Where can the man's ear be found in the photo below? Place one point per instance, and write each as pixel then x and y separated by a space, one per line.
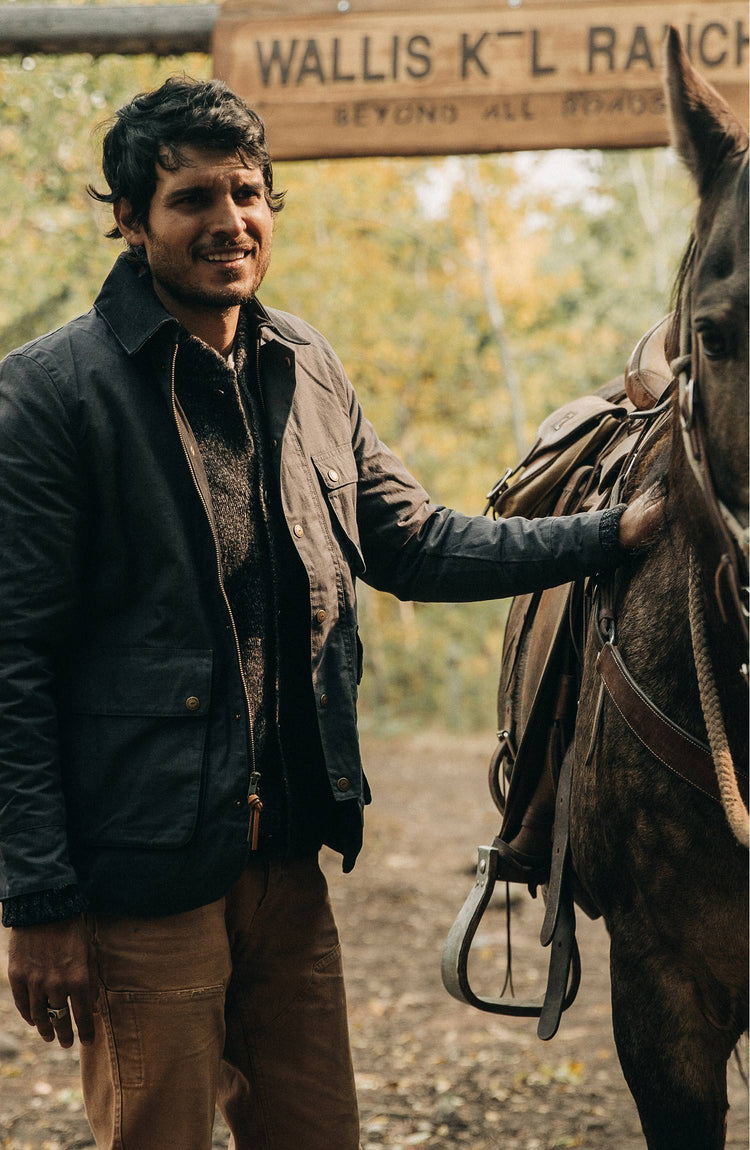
pixel 132 230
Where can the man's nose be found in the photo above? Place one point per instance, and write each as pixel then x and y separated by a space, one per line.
pixel 227 219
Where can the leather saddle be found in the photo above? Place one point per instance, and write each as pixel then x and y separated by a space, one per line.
pixel 575 464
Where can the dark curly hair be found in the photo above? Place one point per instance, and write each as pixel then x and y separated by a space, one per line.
pixel 154 126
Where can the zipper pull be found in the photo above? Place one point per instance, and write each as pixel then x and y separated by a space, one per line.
pixel 256 806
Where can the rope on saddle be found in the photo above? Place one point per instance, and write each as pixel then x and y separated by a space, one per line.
pixel 731 800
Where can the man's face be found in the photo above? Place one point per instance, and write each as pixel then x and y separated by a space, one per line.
pixel 209 231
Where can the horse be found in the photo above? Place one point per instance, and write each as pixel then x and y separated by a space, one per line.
pixel 659 848
pixel 665 866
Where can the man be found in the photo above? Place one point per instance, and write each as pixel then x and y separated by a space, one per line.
pixel 190 491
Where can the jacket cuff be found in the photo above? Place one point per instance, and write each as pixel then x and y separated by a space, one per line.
pixel 609 530
pixel 43 906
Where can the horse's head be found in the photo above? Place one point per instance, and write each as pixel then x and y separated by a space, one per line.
pixel 714 146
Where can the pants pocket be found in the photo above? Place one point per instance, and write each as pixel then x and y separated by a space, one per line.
pixel 152 1032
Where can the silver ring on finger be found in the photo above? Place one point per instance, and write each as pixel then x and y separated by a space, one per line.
pixel 57 1013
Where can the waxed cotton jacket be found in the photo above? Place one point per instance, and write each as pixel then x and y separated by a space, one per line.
pixel 124 758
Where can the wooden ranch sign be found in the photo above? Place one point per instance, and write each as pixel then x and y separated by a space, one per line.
pixel 357 78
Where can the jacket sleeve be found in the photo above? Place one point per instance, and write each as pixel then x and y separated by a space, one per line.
pixel 423 552
pixel 41 501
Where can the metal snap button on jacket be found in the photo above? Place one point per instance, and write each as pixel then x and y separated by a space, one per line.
pixel 343 784
pixel 298 530
pixel 192 703
pixel 333 475
pixel 320 615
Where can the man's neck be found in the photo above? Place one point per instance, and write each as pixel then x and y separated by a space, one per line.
pixel 217 328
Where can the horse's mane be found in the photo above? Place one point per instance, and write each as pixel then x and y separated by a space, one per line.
pixel 679 298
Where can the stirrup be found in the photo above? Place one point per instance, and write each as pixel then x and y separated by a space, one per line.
pixel 558 929
pixel 564 973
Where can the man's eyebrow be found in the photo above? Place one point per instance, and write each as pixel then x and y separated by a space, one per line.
pixel 252 180
pixel 185 190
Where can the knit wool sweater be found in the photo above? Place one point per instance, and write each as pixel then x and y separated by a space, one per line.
pixel 223 407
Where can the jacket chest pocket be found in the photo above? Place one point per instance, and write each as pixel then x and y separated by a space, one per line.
pixel 337 471
pixel 133 728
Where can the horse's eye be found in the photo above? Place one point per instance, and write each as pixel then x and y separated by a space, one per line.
pixel 713 342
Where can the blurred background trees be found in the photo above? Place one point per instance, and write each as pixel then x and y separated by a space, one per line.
pixel 466 296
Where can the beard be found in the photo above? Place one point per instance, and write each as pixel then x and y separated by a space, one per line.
pixel 185 279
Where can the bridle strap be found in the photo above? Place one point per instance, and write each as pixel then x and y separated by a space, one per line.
pixel 723 552
pixel 673 746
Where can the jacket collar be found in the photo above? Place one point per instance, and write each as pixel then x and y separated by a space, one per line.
pixel 129 306
pixel 275 321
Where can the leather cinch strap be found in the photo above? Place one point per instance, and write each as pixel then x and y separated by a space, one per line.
pixel 684 755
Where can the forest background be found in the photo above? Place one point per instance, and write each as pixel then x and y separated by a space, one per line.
pixel 467 297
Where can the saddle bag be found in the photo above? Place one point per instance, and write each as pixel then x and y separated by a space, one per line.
pixel 568 440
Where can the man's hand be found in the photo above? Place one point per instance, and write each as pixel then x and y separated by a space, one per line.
pixel 642 519
pixel 49 967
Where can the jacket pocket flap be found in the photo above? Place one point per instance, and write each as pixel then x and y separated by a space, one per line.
pixel 337 468
pixel 141 681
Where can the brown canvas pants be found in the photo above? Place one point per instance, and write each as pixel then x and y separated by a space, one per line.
pixel 240 1003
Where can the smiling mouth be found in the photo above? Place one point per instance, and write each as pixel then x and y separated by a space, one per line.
pixel 226 255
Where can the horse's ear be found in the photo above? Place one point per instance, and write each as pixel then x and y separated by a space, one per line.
pixel 704 129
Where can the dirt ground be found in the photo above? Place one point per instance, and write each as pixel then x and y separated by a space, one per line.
pixel 431 1072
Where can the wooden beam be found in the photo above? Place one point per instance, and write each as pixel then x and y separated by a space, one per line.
pixel 158 30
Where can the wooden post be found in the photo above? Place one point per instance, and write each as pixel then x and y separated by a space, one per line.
pixel 159 30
